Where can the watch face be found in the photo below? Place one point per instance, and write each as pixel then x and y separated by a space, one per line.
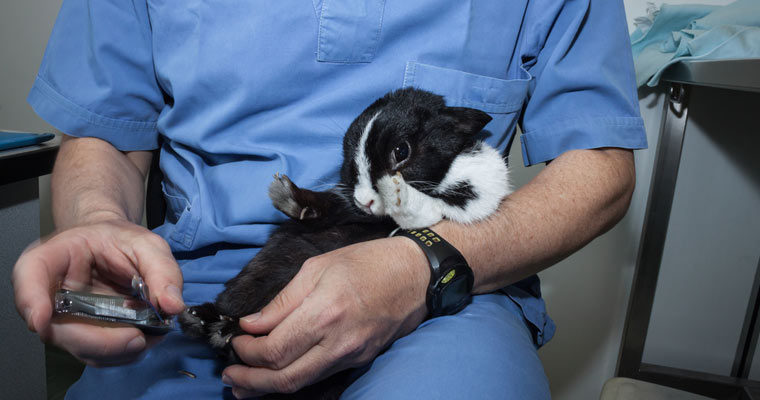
pixel 456 294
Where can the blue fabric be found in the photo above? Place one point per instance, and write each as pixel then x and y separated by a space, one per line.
pixel 235 91
pixel 491 330
pixel 696 32
pixel 582 93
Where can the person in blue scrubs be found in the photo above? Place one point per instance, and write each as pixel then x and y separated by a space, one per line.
pixel 232 92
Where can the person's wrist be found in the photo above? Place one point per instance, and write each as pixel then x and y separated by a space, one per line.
pixel 101 216
pixel 416 270
pixel 454 234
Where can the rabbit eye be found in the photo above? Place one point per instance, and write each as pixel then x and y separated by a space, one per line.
pixel 400 154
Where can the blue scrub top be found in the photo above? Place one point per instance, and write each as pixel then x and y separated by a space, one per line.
pixel 235 91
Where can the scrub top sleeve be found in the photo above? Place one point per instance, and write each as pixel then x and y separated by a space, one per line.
pixel 583 94
pixel 97 77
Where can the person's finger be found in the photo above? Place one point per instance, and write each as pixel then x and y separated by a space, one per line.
pixel 311 367
pixel 36 273
pixel 97 345
pixel 160 271
pixel 289 298
pixel 240 393
pixel 287 342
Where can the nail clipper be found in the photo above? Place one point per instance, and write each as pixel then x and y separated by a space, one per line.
pixel 136 310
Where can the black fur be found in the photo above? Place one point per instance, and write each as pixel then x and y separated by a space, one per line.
pixel 324 221
pixel 458 195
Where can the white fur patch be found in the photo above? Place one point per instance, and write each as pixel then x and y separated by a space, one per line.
pixel 484 170
pixel 488 175
pixel 363 192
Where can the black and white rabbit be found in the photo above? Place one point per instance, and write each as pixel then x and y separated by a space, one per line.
pixel 408 161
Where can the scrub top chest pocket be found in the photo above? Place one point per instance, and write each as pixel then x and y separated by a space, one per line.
pixel 349 31
pixel 502 99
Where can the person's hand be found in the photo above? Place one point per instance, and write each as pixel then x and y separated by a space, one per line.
pixel 340 311
pixel 105 256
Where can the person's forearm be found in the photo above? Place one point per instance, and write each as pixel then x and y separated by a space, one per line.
pixel 93 181
pixel 577 197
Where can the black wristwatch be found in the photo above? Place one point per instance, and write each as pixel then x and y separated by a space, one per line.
pixel 451 278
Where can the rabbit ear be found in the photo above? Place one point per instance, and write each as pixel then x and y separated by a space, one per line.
pixel 468 120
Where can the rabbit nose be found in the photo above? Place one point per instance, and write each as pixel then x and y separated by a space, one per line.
pixel 365 206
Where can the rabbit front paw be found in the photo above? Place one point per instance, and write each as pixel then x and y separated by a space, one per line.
pixel 409 207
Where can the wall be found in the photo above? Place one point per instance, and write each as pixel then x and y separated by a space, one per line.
pixel 24 30
pixel 586 294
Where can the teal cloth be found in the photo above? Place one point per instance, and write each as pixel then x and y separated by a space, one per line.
pixel 696 32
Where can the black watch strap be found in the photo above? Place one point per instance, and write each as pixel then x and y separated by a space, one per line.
pixel 451 279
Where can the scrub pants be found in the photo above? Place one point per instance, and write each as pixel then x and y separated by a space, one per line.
pixel 484 352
